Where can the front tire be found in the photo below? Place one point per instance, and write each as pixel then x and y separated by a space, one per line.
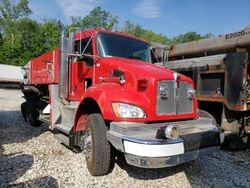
pixel 96 146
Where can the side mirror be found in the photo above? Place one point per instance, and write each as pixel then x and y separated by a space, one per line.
pixel 160 53
pixel 89 61
pixel 165 57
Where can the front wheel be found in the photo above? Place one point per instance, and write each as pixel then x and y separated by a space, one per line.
pixel 96 146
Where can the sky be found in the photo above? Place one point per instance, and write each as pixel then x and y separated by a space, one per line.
pixel 169 17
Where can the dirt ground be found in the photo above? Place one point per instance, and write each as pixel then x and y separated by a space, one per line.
pixel 34 157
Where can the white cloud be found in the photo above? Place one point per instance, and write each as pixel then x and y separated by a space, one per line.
pixel 77 7
pixel 147 9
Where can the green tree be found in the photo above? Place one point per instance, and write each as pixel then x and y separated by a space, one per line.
pixel 13 11
pixel 50 34
pixel 10 11
pixel 148 35
pixel 97 18
pixel 12 27
pixel 16 50
pixel 189 36
pixel 30 40
pixel 208 35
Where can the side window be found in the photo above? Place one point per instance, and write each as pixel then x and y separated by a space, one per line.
pixel 84 43
pixel 86 46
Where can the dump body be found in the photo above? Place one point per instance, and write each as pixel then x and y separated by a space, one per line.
pixel 210 46
pixel 45 68
pixel 219 67
pixel 219 78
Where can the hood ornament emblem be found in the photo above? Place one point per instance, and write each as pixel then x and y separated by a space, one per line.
pixel 177 77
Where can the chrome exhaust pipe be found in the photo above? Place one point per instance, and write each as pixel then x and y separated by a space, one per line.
pixel 63 66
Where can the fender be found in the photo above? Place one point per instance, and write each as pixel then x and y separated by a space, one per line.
pixel 101 96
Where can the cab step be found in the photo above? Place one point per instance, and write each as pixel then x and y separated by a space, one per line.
pixel 44 118
pixel 63 138
pixel 62 128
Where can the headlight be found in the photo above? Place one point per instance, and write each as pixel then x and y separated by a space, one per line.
pixel 127 111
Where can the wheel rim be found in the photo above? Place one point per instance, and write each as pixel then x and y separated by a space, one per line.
pixel 88 149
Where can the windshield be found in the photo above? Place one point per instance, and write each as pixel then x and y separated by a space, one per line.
pixel 111 45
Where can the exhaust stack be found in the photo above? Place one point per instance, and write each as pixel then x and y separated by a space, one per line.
pixel 64 66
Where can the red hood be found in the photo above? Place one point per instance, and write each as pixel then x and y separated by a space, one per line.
pixel 141 69
pixel 134 70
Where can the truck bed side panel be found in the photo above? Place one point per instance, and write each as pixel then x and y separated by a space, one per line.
pixel 45 68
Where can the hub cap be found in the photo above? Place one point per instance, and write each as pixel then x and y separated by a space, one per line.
pixel 88 149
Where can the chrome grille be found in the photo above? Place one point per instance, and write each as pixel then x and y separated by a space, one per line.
pixel 176 101
pixel 166 105
pixel 185 102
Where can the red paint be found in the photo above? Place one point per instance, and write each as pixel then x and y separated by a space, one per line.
pixel 45 68
pixel 89 33
pixel 142 85
pixel 81 123
pixel 78 73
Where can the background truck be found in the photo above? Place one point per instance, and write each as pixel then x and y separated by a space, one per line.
pixel 100 93
pixel 220 70
pixel 10 76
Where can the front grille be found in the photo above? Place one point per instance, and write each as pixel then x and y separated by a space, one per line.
pixel 185 103
pixel 166 105
pixel 176 101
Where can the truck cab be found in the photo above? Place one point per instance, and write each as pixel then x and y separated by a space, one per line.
pixel 100 92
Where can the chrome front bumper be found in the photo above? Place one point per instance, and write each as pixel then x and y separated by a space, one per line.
pixel 162 162
pixel 142 146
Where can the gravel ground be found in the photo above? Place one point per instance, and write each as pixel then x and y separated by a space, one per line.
pixel 34 157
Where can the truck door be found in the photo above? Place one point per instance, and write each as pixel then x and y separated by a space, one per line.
pixel 81 71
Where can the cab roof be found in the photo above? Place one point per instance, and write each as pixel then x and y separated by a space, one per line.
pixel 89 33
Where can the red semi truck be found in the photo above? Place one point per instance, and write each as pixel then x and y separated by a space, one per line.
pixel 100 92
